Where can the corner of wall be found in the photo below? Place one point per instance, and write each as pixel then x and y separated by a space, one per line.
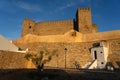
pixel 27 27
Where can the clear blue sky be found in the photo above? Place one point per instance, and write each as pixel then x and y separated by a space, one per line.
pixel 105 13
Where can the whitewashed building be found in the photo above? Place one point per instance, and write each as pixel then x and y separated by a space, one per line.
pixel 99 53
pixel 7 45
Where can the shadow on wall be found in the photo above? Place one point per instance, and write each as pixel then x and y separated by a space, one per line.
pixel 110 64
pixel 118 63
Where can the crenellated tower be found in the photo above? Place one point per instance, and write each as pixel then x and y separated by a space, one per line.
pixel 28 27
pixel 84 21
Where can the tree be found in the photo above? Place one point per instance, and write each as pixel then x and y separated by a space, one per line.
pixel 41 58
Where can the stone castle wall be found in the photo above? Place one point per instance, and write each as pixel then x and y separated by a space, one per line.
pixel 114 46
pixel 53 27
pixel 76 52
pixel 12 60
pixel 71 36
pixel 84 20
pixel 109 35
pixel 114 52
pixel 46 28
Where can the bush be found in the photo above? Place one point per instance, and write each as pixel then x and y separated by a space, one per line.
pixel 40 59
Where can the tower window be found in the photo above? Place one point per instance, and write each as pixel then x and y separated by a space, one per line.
pixel 29 27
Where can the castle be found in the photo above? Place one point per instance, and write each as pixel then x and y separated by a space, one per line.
pixel 78 42
pixel 82 24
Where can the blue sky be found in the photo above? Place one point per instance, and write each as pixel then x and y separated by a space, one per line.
pixel 105 13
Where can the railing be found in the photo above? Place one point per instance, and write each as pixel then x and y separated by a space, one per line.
pixel 93 65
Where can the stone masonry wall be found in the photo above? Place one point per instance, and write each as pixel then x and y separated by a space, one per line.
pixel 12 60
pixel 46 28
pixel 76 52
pixel 109 35
pixel 84 20
pixel 53 27
pixel 71 36
pixel 27 27
pixel 114 52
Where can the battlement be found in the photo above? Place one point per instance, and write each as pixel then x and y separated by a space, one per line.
pixel 29 20
pixel 84 9
pixel 84 20
pixel 55 22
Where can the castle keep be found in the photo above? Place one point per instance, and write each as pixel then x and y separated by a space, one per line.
pixel 76 40
pixel 82 24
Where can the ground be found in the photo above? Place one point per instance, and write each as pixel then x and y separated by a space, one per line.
pixel 58 74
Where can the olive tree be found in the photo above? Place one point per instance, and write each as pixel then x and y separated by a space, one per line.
pixel 40 58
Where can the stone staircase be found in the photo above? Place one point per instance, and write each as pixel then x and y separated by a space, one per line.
pixel 92 65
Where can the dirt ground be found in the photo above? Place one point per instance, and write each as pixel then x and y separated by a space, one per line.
pixel 59 74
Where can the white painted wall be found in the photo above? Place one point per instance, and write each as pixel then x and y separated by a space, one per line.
pixel 7 45
pixel 101 53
